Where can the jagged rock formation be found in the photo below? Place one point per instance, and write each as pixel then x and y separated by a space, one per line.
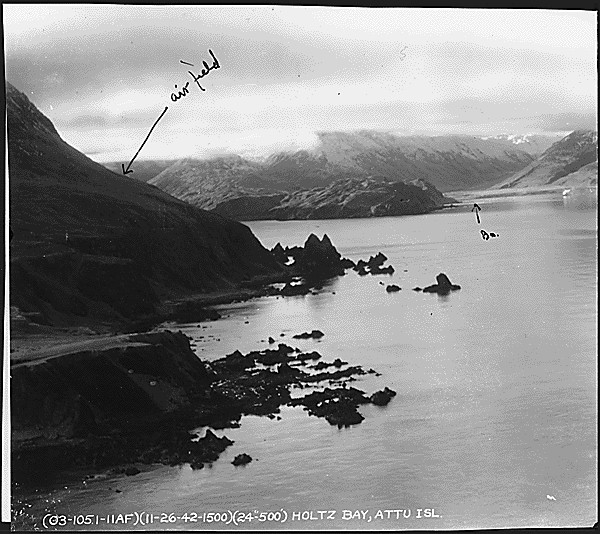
pixel 443 286
pixel 316 260
pixel 374 265
pixel 133 402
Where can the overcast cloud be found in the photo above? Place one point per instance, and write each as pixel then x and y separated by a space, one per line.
pixel 103 74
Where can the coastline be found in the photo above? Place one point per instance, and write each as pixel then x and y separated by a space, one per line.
pixel 135 402
pixel 222 476
pixel 98 397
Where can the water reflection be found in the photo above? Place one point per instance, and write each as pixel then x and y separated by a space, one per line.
pixel 496 382
pixel 580 198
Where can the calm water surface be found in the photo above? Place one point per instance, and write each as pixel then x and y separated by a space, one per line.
pixel 497 383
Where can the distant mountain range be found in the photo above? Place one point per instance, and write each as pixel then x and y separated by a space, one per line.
pixel 350 151
pixel 534 144
pixel 447 162
pixel 206 183
pixel 571 161
pixel 91 244
pixel 442 163
pixel 285 183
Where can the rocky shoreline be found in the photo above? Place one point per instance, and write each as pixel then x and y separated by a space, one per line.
pixel 136 404
pixel 134 398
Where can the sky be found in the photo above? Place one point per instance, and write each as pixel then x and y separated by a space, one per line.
pixel 104 74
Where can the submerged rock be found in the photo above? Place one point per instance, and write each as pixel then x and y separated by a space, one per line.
pixel 392 288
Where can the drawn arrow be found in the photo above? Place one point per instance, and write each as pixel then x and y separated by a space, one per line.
pixel 476 208
pixel 127 170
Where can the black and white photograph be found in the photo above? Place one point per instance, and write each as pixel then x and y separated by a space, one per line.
pixel 294 267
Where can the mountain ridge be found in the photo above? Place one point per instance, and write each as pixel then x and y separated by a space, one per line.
pixel 91 245
pixel 534 144
pixel 455 161
pixel 567 156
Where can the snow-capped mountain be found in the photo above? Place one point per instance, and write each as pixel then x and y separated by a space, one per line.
pixel 576 153
pixel 534 144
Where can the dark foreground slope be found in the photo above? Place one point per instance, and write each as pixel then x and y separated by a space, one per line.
pixel 90 244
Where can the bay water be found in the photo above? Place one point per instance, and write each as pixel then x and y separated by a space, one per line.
pixel 495 420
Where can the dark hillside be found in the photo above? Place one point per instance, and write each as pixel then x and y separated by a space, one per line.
pixel 129 244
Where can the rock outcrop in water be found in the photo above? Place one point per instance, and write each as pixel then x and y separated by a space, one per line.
pixel 290 289
pixel 443 286
pixel 134 403
pixel 317 260
pixel 242 459
pixel 383 397
pixel 338 406
pixel 315 334
pixel 373 266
